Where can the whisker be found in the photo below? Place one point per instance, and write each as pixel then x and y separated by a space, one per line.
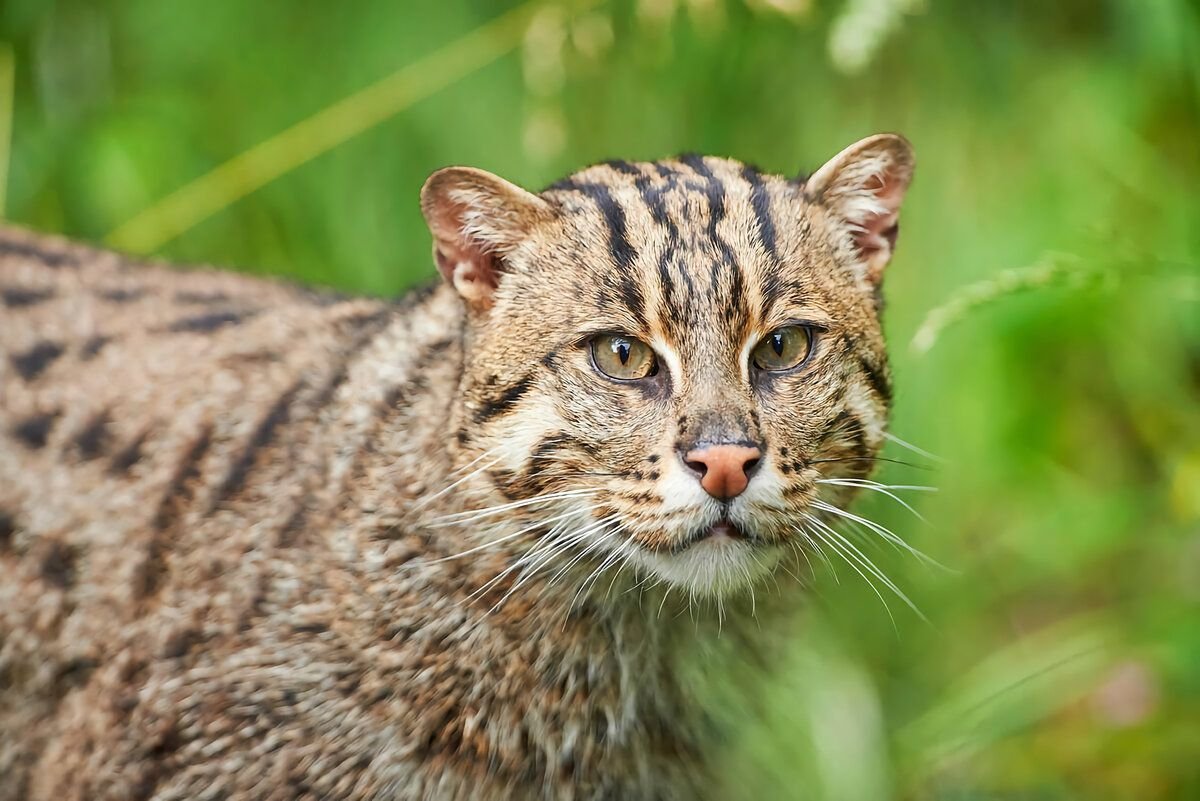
pixel 421 504
pixel 611 559
pixel 888 459
pixel 919 451
pixel 663 602
pixel 883 489
pixel 495 542
pixel 846 558
pixel 816 546
pixel 601 527
pixel 881 530
pixel 548 542
pixel 560 545
pixel 469 516
pixel 867 563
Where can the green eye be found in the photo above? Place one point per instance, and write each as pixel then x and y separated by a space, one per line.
pixel 622 357
pixel 783 348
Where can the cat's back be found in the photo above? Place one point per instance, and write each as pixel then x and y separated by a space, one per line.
pixel 132 390
pixel 171 447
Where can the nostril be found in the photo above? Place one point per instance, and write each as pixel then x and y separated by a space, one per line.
pixel 700 468
pixel 750 465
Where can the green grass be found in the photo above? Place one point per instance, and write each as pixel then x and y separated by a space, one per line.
pixel 1051 249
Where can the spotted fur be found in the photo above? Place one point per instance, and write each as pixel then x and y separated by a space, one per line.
pixel 259 542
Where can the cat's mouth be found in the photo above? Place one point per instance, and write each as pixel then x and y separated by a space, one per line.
pixel 723 530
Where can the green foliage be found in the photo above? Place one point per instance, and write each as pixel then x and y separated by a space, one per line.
pixel 1054 227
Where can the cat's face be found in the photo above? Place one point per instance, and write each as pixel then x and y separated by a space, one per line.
pixel 667 362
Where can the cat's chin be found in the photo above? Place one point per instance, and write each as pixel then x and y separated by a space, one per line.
pixel 719 561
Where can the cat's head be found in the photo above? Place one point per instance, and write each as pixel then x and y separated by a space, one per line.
pixel 666 361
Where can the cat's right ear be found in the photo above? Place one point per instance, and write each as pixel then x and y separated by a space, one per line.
pixel 477 219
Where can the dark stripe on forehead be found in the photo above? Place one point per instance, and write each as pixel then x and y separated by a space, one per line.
pixel 665 170
pixel 623 253
pixel 652 196
pixel 714 190
pixel 760 201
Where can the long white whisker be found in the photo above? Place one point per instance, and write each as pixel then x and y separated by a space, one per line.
pixel 880 488
pixel 602 526
pixel 421 504
pixel 920 451
pixel 816 546
pixel 609 560
pixel 498 540
pixel 469 516
pixel 548 542
pixel 841 551
pixel 882 531
pixel 868 564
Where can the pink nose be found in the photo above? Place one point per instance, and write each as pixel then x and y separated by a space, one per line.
pixel 724 470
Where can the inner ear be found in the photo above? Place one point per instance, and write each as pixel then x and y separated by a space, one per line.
pixel 875 233
pixel 477 219
pixel 477 265
pixel 863 186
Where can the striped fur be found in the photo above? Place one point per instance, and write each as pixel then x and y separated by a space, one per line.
pixel 263 542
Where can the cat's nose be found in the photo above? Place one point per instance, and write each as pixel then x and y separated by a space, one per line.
pixel 724 470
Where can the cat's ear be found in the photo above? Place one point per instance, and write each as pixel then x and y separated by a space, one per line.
pixel 477 219
pixel 864 186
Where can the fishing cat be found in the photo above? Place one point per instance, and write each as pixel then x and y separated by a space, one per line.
pixel 260 542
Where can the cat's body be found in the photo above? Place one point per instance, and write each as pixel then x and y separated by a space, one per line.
pixel 257 542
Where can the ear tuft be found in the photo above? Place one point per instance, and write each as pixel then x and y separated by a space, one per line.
pixel 864 186
pixel 476 219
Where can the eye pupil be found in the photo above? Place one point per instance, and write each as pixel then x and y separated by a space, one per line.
pixel 622 357
pixel 783 348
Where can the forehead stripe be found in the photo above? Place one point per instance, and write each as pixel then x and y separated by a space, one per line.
pixel 715 192
pixel 622 251
pixel 760 201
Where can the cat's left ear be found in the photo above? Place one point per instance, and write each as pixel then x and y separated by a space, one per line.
pixel 864 186
pixel 477 219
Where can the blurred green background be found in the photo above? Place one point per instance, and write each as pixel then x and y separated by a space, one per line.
pixel 1053 232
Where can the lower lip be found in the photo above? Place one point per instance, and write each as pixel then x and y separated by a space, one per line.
pixel 726 531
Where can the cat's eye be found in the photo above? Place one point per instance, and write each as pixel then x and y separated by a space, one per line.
pixel 783 348
pixel 622 357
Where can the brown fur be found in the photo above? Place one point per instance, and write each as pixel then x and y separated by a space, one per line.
pixel 259 542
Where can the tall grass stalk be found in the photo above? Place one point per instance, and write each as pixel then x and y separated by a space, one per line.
pixel 210 193
pixel 7 80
